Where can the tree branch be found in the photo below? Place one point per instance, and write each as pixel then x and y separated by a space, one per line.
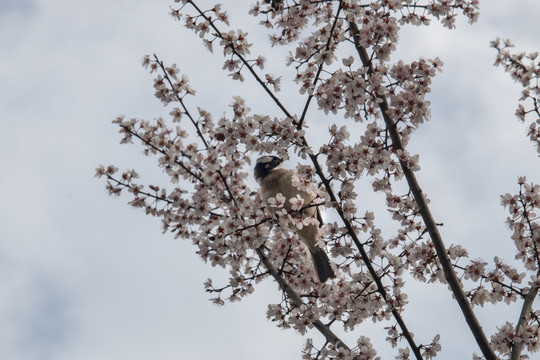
pixel 293 295
pixel 365 257
pixel 319 70
pixel 244 61
pixel 425 212
pixel 517 347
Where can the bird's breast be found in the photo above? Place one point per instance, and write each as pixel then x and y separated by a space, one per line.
pixel 279 181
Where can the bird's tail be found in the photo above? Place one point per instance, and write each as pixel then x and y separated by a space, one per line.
pixel 322 264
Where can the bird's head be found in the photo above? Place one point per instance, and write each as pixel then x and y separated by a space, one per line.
pixel 265 165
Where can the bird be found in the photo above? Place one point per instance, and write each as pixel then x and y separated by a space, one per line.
pixel 273 180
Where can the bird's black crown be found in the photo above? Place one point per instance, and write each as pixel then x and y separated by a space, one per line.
pixel 265 165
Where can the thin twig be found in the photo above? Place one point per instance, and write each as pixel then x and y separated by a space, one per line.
pixel 162 151
pixel 489 279
pixel 244 61
pixel 319 70
pixel 196 125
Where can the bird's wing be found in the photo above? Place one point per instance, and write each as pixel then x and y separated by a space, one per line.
pixel 319 217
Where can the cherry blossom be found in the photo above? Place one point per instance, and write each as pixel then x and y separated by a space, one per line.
pixel 525 69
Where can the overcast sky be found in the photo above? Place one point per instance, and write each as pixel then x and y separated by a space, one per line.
pixel 83 276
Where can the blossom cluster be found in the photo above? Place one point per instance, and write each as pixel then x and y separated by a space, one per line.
pixel 506 336
pixel 363 350
pixel 510 339
pixel 504 282
pixel 524 69
pixel 522 221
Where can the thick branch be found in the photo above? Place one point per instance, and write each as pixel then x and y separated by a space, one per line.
pixel 425 212
pixel 517 347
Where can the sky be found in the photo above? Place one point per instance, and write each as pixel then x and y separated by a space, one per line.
pixel 84 276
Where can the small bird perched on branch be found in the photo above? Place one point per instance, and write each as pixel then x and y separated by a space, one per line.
pixel 274 180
